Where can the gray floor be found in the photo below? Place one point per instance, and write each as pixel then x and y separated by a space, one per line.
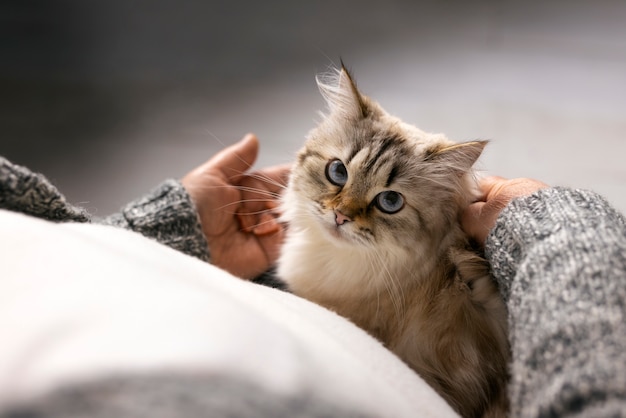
pixel 108 98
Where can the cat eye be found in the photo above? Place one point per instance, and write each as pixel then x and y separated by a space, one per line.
pixel 389 201
pixel 337 173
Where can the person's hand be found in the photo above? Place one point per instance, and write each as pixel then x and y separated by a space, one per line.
pixel 237 210
pixel 496 192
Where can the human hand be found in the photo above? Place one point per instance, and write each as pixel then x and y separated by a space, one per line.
pixel 496 193
pixel 237 210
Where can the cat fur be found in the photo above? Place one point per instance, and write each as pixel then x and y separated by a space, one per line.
pixel 410 279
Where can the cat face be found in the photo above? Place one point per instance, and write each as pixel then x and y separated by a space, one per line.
pixel 356 194
pixel 366 179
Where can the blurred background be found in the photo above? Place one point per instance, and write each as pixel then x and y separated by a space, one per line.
pixel 108 98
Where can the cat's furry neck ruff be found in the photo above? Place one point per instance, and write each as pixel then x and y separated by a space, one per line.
pixel 373 206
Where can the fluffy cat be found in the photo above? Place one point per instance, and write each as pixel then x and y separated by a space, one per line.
pixel 372 206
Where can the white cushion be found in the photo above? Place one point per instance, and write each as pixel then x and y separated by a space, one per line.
pixel 80 302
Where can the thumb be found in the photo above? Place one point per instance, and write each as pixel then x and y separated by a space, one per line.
pixel 473 222
pixel 487 186
pixel 238 158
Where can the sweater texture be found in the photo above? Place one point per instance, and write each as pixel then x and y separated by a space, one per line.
pixel 559 257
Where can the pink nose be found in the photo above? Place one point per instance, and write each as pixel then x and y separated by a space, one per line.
pixel 340 218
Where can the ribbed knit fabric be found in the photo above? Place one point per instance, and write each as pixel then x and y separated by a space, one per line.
pixel 31 193
pixel 559 257
pixel 166 214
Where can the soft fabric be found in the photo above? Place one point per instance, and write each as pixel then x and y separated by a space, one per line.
pixel 559 257
pixel 82 306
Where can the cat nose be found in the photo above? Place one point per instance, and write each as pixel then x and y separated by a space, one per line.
pixel 340 218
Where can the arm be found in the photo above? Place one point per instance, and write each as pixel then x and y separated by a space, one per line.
pixel 168 215
pixel 30 193
pixel 217 206
pixel 559 257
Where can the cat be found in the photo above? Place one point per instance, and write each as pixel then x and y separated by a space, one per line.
pixel 372 207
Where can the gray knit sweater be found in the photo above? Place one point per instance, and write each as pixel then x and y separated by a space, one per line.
pixel 559 257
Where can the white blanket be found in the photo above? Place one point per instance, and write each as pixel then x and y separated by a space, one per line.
pixel 80 302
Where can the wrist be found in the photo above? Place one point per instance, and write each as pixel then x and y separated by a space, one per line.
pixel 168 214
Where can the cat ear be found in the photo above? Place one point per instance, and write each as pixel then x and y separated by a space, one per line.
pixel 459 157
pixel 342 95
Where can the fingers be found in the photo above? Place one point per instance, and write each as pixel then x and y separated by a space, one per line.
pixel 258 223
pixel 272 179
pixel 496 193
pixel 260 191
pixel 276 176
pixel 238 158
pixel 260 200
pixel 478 219
pixel 271 244
pixel 487 184
pixel 473 222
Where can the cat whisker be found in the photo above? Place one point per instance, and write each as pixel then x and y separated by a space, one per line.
pixel 256 200
pixel 256 175
pixel 373 267
pixel 272 196
pixel 226 206
pixel 259 212
pixel 444 183
pixel 215 137
pixel 262 177
pixel 266 222
pixel 224 145
pixel 266 179
pixel 239 202
pixel 394 288
pixel 259 191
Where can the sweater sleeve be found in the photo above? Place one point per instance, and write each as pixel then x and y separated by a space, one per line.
pixel 167 215
pixel 22 190
pixel 559 257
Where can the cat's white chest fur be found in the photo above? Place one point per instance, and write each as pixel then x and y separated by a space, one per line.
pixel 320 266
pixel 310 263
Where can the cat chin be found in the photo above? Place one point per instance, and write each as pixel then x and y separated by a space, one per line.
pixel 338 234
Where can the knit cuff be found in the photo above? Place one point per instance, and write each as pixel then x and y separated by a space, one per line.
pixel 528 221
pixel 22 190
pixel 168 215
